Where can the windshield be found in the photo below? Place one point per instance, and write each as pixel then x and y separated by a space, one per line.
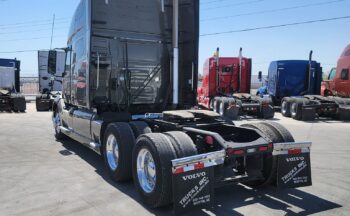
pixel 332 74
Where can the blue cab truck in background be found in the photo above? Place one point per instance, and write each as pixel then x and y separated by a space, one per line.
pixel 129 88
pixel 295 85
pixel 10 98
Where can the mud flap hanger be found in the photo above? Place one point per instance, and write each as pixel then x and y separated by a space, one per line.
pixel 291 148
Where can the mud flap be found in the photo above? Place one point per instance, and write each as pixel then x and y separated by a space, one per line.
pixel 268 112
pixel 194 182
pixel 293 165
pixel 232 112
pixel 344 112
pixel 43 104
pixel 193 190
pixel 308 113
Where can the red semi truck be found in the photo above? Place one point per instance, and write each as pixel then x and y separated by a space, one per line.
pixel 338 83
pixel 226 88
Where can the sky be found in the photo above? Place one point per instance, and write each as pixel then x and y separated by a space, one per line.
pixel 26 25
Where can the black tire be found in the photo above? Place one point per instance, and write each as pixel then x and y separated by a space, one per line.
pixel 296 110
pixel 139 128
pixel 269 161
pixel 216 104
pixel 182 143
pixel 58 133
pixel 162 151
pixel 285 107
pixel 266 130
pixel 125 140
pixel 286 135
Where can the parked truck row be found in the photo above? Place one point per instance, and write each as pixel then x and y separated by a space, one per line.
pixel 10 97
pixel 295 86
pixel 129 92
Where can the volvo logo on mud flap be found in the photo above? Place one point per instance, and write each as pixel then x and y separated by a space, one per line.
pixel 193 176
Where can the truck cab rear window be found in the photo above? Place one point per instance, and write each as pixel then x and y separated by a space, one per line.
pixel 227 69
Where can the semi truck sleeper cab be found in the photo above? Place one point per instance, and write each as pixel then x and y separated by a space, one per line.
pixel 129 85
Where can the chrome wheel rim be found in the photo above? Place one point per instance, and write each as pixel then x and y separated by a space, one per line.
pixel 57 122
pixel 112 152
pixel 221 109
pixel 293 109
pixel 146 171
pixel 215 105
pixel 284 107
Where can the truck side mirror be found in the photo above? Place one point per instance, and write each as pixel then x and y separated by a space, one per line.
pixel 260 76
pixel 51 62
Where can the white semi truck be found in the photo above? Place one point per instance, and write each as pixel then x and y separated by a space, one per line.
pixel 50 80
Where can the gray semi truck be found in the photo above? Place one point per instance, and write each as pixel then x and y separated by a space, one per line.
pixel 10 97
pixel 128 91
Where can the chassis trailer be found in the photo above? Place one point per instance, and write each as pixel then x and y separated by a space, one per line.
pixel 226 89
pixel 10 98
pixel 50 79
pixel 126 96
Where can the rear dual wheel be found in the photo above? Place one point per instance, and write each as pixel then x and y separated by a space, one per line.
pixel 216 104
pixel 151 164
pixel 276 133
pixel 296 110
pixel 285 107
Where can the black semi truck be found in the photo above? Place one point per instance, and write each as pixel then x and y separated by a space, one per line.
pixel 128 91
pixel 10 97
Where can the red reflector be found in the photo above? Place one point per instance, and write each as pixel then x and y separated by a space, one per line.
pixel 179 170
pixel 209 140
pixel 235 151
pixel 199 166
pixel 263 148
pixel 238 152
pixel 294 151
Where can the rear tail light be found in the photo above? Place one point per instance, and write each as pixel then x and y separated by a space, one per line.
pixel 270 145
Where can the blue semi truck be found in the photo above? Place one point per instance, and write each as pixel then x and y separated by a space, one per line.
pixel 10 98
pixel 295 86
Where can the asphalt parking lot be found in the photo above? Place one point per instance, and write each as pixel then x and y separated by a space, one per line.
pixel 40 176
